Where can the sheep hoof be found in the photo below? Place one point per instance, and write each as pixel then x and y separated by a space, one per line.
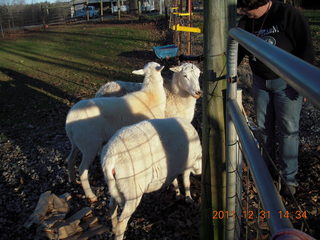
pixel 179 197
pixel 189 199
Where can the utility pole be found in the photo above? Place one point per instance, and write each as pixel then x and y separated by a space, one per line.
pixel 213 141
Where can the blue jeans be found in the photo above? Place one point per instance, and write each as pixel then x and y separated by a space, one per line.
pixel 276 103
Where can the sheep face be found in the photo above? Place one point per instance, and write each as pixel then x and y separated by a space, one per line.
pixel 188 78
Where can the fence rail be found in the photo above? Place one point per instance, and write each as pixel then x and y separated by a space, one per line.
pixel 304 78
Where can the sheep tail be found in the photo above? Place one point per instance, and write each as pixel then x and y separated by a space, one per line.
pixel 71 161
pixel 110 173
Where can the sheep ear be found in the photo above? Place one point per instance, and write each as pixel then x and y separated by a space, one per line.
pixel 138 72
pixel 160 68
pixel 176 69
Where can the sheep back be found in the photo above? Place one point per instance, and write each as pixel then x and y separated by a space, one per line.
pixel 147 156
pixel 117 89
pixel 179 91
pixel 100 118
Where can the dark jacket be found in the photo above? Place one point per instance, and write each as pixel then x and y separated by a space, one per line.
pixel 283 26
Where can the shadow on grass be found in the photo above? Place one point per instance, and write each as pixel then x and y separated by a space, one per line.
pixel 47 35
pixel 54 61
pixel 145 55
pixel 98 69
pixel 28 101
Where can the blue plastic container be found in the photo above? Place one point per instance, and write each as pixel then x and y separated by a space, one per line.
pixel 166 51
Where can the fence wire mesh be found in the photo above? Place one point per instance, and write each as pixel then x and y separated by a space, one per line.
pixel 250 217
pixel 17 17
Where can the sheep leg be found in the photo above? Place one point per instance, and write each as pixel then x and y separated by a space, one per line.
pixel 71 163
pixel 176 188
pixel 186 183
pixel 113 207
pixel 84 169
pixel 129 208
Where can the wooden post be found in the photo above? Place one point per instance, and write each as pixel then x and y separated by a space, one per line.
pixel 73 14
pixel 2 33
pixel 118 5
pixel 178 32
pixel 87 13
pixel 9 25
pixel 101 10
pixel 139 8
pixel 174 22
pixel 214 86
pixel 133 7
pixel 189 33
pixel 161 7
pixel 43 16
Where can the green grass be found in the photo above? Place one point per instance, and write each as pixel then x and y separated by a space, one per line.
pixel 315 33
pixel 312 15
pixel 42 70
pixel 75 54
pixel 314 21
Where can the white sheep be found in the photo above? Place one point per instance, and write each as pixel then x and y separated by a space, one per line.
pixel 182 91
pixel 145 157
pixel 91 123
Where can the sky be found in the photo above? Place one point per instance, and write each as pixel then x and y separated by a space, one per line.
pixel 9 2
pixel 38 1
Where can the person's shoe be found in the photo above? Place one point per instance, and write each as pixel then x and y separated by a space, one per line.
pixel 287 190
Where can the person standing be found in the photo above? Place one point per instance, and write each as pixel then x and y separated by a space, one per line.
pixel 277 104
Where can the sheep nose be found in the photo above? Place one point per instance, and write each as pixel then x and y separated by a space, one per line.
pixel 197 94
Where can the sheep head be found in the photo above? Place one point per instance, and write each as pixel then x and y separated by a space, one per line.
pixel 149 68
pixel 186 77
pixel 152 74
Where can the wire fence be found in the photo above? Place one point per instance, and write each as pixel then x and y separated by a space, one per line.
pixel 16 17
pixel 255 202
pixel 252 219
